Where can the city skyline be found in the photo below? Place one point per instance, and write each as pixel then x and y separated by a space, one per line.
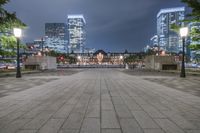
pixel 112 28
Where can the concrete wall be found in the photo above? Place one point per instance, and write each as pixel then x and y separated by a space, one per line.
pixel 157 62
pixel 43 62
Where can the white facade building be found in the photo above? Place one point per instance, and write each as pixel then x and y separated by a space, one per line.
pixel 76 32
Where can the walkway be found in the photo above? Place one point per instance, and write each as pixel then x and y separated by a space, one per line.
pixel 100 101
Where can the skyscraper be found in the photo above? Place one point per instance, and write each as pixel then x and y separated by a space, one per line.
pixel 76 32
pixel 56 30
pixel 154 40
pixel 56 36
pixel 169 40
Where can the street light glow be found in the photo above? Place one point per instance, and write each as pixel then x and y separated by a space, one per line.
pixel 121 57
pixel 17 32
pixel 79 57
pixel 184 31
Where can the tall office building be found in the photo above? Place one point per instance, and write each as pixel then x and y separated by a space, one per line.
pixel 56 36
pixel 154 40
pixel 76 32
pixel 169 40
pixel 56 30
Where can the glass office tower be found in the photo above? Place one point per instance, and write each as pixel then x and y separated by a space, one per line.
pixel 76 32
pixel 169 40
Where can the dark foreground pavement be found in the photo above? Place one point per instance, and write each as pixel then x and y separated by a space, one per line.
pixel 100 101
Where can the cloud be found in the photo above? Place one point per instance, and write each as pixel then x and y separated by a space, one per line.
pixel 111 24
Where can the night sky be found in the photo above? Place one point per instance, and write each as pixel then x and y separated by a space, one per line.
pixel 112 25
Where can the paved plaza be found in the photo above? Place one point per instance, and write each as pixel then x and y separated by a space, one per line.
pixel 99 101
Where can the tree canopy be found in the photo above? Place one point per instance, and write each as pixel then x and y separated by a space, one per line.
pixel 194 16
pixel 8 20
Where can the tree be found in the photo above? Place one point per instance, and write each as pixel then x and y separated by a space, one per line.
pixel 131 59
pixel 195 6
pixel 194 17
pixel 7 22
pixel 8 42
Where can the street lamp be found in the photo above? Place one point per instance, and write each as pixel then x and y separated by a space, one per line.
pixel 79 59
pixel 17 34
pixel 183 34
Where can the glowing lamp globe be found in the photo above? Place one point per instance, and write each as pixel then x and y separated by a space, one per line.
pixel 17 32
pixel 184 31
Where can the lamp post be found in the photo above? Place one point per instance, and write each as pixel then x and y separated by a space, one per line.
pixel 183 34
pixel 17 34
pixel 79 59
pixel 42 46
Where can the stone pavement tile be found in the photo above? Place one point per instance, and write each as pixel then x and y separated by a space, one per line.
pixel 55 105
pixel 189 116
pixel 7 105
pixel 144 119
pixel 32 113
pixel 117 100
pixel 63 112
pixel 123 111
pixel 105 97
pixel 68 131
pixel 14 126
pixel 196 122
pixel 52 126
pixel 153 131
pixel 80 108
pixel 95 100
pixel 10 117
pixel 193 131
pixel 132 105
pixel 26 131
pixel 107 105
pixel 179 120
pixel 130 126
pixel 74 121
pixel 93 111
pixel 114 93
pixel 111 131
pixel 38 121
pixel 160 106
pixel 168 126
pixel 140 100
pixel 109 120
pixel 152 111
pixel 91 125
pixel 29 106
pixel 74 99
